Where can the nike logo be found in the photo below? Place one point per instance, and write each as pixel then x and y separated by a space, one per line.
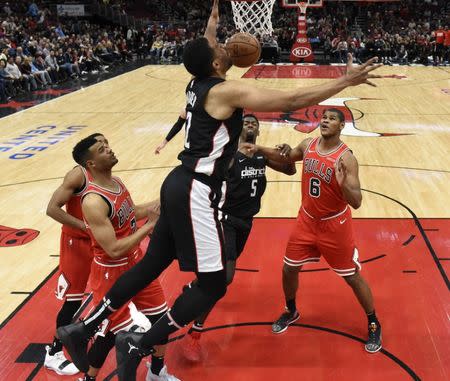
pixel 132 347
pixel 309 151
pixel 241 160
pixel 341 222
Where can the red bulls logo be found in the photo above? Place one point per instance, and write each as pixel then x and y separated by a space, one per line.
pixel 16 237
pixel 308 119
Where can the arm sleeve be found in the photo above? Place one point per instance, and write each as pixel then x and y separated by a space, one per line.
pixel 175 128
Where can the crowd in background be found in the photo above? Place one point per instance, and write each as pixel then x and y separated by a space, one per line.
pixel 38 49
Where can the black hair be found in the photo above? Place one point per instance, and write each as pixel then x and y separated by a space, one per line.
pixel 339 113
pixel 81 152
pixel 251 116
pixel 198 57
pixel 94 135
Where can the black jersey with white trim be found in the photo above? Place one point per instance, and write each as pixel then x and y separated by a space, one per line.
pixel 210 144
pixel 245 185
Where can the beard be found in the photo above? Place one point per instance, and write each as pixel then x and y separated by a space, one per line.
pixel 250 137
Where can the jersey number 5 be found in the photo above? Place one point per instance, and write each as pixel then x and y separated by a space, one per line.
pixel 314 187
pixel 254 189
pixel 188 126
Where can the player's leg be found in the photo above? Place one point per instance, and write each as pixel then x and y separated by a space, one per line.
pixel 97 355
pixel 152 303
pixel 336 243
pixel 199 246
pixel 191 342
pixel 300 250
pixel 74 268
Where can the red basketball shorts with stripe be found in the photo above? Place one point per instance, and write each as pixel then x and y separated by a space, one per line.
pixel 149 301
pixel 331 238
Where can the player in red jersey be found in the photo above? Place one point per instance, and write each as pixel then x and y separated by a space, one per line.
pixel 330 183
pixel 111 217
pixel 75 257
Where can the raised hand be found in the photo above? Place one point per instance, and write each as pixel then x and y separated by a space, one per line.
pixel 340 171
pixel 358 74
pixel 285 149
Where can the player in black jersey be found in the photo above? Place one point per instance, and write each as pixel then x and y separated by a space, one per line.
pixel 244 187
pixel 189 229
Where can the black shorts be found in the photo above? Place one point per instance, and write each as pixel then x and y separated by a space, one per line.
pixel 189 224
pixel 236 232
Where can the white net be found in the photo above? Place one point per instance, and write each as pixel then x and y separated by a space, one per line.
pixel 253 17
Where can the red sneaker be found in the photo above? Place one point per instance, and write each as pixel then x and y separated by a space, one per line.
pixel 191 346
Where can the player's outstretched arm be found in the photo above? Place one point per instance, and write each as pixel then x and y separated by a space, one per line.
pixel 176 128
pixel 73 181
pixel 346 170
pixel 286 168
pixel 95 211
pixel 279 154
pixel 239 95
pixel 213 21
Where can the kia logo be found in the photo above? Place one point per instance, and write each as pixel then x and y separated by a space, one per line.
pixel 301 52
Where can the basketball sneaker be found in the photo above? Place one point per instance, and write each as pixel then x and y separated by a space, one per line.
pixel 373 343
pixel 129 354
pixel 59 364
pixel 75 339
pixel 163 375
pixel 190 346
pixel 284 321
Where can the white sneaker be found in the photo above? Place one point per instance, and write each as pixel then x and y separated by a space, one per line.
pixel 59 364
pixel 163 375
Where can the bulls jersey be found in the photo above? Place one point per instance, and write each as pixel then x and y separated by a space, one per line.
pixel 73 207
pixel 121 215
pixel 210 144
pixel 321 194
pixel 245 185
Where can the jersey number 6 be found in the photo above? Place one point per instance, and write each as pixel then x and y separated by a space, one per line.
pixel 314 187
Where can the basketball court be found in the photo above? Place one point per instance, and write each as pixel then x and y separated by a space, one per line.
pixel 400 134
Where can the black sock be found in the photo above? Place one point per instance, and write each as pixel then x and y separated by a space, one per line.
pixel 290 304
pixel 101 312
pixel 56 347
pixel 157 364
pixel 372 318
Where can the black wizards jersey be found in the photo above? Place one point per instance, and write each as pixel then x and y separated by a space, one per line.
pixel 209 144
pixel 245 185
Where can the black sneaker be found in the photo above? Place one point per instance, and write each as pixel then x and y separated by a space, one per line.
pixel 129 354
pixel 284 321
pixel 373 343
pixel 75 339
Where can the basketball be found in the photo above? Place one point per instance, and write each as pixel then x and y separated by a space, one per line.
pixel 244 49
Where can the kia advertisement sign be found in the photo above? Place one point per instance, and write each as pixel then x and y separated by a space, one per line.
pixel 301 52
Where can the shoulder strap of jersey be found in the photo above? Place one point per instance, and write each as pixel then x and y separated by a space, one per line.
pixel 112 209
pixel 312 145
pixel 87 179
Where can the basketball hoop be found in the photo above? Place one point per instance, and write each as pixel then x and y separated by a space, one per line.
pixel 303 5
pixel 253 16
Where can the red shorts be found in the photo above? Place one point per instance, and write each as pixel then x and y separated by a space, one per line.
pixel 75 258
pixel 150 301
pixel 331 238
